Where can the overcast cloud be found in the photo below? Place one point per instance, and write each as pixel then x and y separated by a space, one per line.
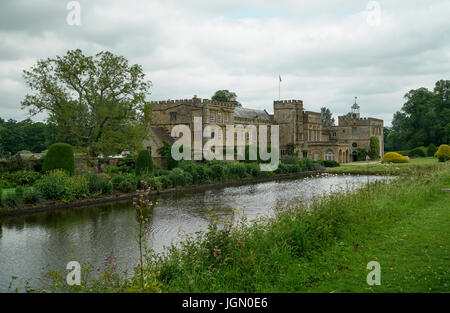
pixel 326 52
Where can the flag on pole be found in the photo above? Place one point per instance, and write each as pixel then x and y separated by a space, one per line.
pixel 279 78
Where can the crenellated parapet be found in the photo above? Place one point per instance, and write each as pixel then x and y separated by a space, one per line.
pixel 166 104
pixel 287 104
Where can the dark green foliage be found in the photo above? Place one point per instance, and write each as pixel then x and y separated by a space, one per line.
pixel 374 151
pixel 53 185
pixel 11 200
pixel 217 172
pixel 417 152
pixel 431 150
pixel 112 170
pixel 25 135
pixel 165 181
pixel 59 156
pixel 124 183
pixel 166 151
pixel 144 163
pixel 235 169
pixel 127 164
pixel 361 154
pixel 23 177
pixel 328 163
pixel 423 119
pixel 99 185
pixel 32 196
pixel 179 177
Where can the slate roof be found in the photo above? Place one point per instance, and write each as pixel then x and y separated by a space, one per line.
pixel 251 113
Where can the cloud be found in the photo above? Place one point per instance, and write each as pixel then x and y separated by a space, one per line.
pixel 326 51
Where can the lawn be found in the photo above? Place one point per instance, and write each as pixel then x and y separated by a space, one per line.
pixel 386 168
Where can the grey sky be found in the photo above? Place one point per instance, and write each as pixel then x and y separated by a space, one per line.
pixel 326 52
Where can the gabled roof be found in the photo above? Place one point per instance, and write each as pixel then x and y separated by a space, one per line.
pixel 251 113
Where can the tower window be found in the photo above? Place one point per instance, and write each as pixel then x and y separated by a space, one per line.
pixel 212 116
pixel 219 116
pixel 173 116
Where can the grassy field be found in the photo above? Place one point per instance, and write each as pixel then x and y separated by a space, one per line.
pixel 321 247
pixel 422 164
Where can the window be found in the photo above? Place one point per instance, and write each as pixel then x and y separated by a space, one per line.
pixel 173 116
pixel 212 134
pixel 305 154
pixel 219 116
pixel 354 130
pixel 219 135
pixel 213 116
pixel 225 115
pixel 354 145
pixel 329 156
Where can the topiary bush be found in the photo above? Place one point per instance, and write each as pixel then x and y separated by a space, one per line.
pixel 374 151
pixel 59 156
pixel 144 163
pixel 394 157
pixel 431 150
pixel 417 152
pixel 443 153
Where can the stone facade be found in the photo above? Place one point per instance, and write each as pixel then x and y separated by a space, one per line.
pixel 301 128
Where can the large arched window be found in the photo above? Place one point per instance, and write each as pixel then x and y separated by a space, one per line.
pixel 329 156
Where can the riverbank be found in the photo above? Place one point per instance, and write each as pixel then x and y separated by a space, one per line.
pixel 324 246
pixel 60 205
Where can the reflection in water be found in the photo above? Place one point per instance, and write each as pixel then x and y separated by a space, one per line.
pixel 30 246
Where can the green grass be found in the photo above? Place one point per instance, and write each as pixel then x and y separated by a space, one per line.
pixel 422 164
pixel 323 247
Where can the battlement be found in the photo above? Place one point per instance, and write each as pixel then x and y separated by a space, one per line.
pixel 348 120
pixel 287 104
pixel 194 102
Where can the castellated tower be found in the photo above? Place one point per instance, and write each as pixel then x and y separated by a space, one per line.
pixel 288 114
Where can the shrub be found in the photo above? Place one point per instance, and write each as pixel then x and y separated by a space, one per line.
pixel 374 152
pixel 403 152
pixel 306 164
pixel 155 183
pixel 32 196
pixel 165 181
pixel 179 177
pixel 394 157
pixel 53 185
pixel 77 188
pixel 417 152
pixel 443 153
pixel 431 150
pixel 328 163
pixel 236 169
pixel 112 170
pixel 98 184
pixel 253 169
pixel 166 151
pixel 59 156
pixel 361 154
pixel 124 183
pixel 23 177
pixel 11 200
pixel 127 164
pixel 144 163
pixel 217 172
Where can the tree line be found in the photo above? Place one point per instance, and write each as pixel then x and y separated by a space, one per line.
pixel 423 120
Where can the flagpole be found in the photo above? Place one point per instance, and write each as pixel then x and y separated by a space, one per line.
pixel 279 84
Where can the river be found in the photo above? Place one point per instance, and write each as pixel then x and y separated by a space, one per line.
pixel 32 245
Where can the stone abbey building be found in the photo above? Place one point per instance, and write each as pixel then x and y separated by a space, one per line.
pixel 298 128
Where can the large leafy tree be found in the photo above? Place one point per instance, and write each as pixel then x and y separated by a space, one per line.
pixel 423 119
pixel 327 117
pixel 226 96
pixel 95 102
